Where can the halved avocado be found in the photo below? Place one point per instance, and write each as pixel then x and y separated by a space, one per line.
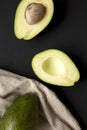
pixel 55 67
pixel 31 17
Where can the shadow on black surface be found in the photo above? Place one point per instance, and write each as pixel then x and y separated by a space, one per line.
pixel 81 66
pixel 71 109
pixel 60 11
pixel 67 103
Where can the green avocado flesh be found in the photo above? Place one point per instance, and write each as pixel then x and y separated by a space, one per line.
pixel 22 114
pixel 55 67
pixel 25 29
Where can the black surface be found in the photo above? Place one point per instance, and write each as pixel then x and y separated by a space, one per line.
pixel 67 32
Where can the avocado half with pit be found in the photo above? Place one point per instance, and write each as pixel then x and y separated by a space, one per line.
pixel 55 67
pixel 31 17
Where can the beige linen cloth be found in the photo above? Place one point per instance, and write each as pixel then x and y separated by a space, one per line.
pixel 53 113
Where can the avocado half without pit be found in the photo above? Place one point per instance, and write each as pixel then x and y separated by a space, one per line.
pixel 31 17
pixel 55 67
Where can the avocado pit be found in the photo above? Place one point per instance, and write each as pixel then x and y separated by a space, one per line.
pixel 34 13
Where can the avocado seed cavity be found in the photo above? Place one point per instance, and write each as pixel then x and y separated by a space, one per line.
pixel 54 66
pixel 34 13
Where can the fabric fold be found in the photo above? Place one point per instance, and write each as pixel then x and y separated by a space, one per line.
pixel 54 115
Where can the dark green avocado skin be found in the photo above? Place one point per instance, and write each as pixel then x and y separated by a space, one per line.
pixel 22 114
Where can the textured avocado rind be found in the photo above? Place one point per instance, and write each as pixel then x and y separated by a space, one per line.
pixel 22 114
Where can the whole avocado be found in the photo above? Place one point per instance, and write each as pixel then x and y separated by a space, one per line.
pixel 22 114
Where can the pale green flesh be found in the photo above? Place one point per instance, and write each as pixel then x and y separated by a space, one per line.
pixel 55 67
pixel 22 29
